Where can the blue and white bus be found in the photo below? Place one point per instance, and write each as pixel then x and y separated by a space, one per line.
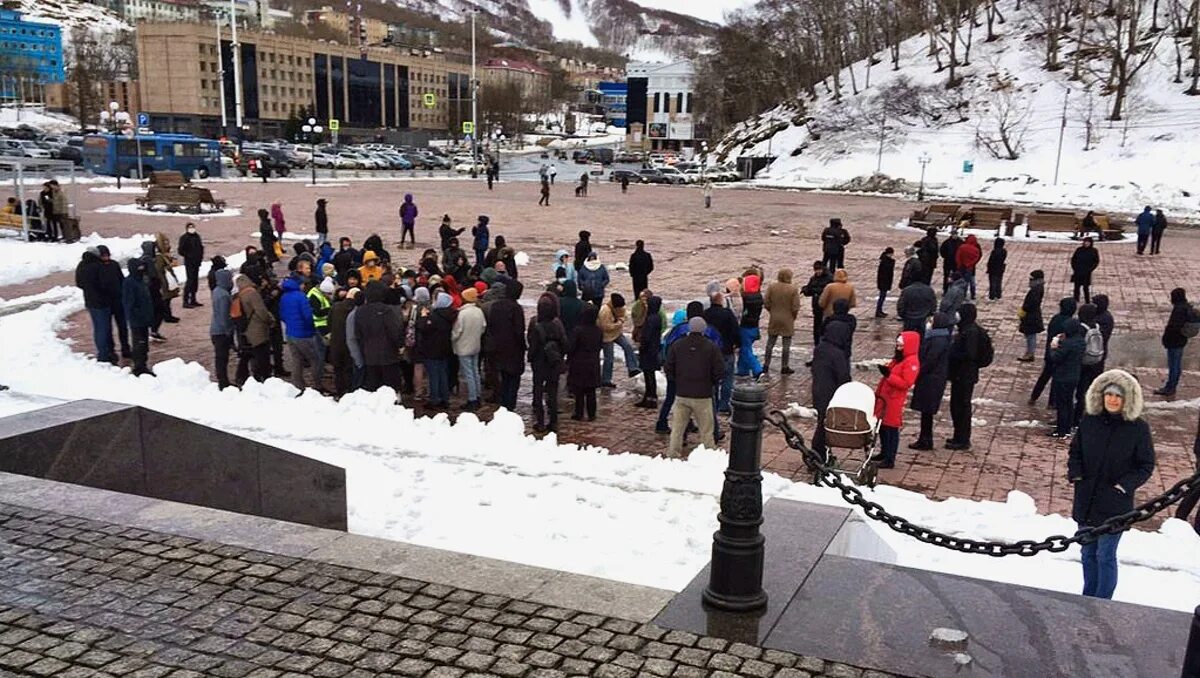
pixel 117 154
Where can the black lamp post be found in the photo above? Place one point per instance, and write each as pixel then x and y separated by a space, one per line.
pixel 313 130
pixel 735 578
pixel 924 160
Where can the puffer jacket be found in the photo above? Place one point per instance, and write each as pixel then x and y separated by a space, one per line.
pixel 221 324
pixel 840 288
pixel 752 302
pixel 930 386
pixel 1109 450
pixel 893 389
pixel 294 311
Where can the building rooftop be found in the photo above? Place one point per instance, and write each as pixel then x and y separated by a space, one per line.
pixel 514 65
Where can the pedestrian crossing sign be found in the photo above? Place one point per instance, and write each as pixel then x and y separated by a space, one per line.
pixel 334 124
pixel 430 100
pixel 468 127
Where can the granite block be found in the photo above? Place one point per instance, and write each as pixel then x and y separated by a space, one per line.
pixel 298 489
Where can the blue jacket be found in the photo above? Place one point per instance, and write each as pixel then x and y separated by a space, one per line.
pixel 135 297
pixel 326 253
pixel 408 210
pixel 1145 222
pixel 482 235
pixel 221 324
pixel 294 311
pixel 680 331
pixel 592 283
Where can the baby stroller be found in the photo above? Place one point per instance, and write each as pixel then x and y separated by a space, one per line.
pixel 850 423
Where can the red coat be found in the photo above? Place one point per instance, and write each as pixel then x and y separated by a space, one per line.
pixel 893 389
pixel 968 254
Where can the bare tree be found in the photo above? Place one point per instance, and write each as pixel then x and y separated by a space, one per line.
pixel 1121 37
pixel 1001 128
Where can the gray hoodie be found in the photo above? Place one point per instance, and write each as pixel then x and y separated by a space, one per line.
pixel 221 324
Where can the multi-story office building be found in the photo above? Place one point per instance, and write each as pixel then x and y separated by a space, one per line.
pixel 184 73
pixel 532 80
pixel 31 57
pixel 659 108
pixel 134 11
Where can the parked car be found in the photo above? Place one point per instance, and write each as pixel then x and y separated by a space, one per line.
pixel 655 176
pixel 465 167
pixel 420 161
pixel 674 175
pixel 31 149
pixel 276 164
pixel 634 176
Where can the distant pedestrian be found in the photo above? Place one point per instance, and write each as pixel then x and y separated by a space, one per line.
pixel 277 219
pixel 624 183
pixel 899 375
pixel 584 345
pixel 641 265
pixel 814 288
pixel 547 358
pixel 996 264
pixel 956 293
pixel 1110 457
pixel 650 352
pixel 480 238
pixel 970 351
pixel 752 307
pixel 916 303
pixel 965 260
pixel 581 190
pixel 1083 263
pixel 834 239
pixel 1093 356
pixel 884 276
pixel 593 279
pixel 782 303
pixel 934 372
pixel 708 193
pixel 1104 318
pixel 446 235
pixel 408 221
pixel 914 269
pixel 582 249
pixel 553 173
pixel 1175 337
pixel 1067 350
pixel 830 369
pixel 139 313
pixel 191 248
pixel 949 253
pixel 694 365
pixel 321 222
pixel 1029 316
pixel 544 200
pixel 1145 228
pixel 927 251
pixel 1057 326
pixel 221 327
pixel 612 326
pixel 1156 231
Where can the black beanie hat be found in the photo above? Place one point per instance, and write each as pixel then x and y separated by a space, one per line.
pixel 617 300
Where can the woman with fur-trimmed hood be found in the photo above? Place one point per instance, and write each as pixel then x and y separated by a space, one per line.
pixel 1111 455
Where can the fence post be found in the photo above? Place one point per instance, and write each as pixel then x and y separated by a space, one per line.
pixel 1191 658
pixel 736 573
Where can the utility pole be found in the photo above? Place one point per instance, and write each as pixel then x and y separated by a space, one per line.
pixel 221 80
pixel 1062 130
pixel 235 53
pixel 879 159
pixel 474 102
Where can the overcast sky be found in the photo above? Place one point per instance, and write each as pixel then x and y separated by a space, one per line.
pixel 712 10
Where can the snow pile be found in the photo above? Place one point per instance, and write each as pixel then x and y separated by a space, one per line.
pixel 31 260
pixel 487 489
pixel 13 116
pixel 1144 159
pixel 1020 234
pixel 134 209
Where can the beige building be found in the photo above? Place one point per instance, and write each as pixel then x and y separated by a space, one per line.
pixel 180 66
pixel 60 97
pixel 374 30
pixel 533 80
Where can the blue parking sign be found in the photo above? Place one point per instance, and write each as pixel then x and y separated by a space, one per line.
pixel 143 119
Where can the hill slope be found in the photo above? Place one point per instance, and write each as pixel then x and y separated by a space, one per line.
pixel 1148 157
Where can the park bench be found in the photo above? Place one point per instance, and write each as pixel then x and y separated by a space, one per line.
pixel 936 215
pixel 13 222
pixel 1056 221
pixel 166 179
pixel 182 199
pixel 990 217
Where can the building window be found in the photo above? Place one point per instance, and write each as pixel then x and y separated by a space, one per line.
pixel 689 103
pixel 679 102
pixel 657 106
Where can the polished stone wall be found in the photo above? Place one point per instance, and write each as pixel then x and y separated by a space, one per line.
pixel 135 450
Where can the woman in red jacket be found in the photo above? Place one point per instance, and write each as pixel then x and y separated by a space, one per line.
pixel 899 375
pixel 967 256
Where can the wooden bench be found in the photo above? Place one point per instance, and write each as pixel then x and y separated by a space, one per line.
pixel 13 222
pixel 1057 221
pixel 990 217
pixel 936 215
pixel 182 199
pixel 166 179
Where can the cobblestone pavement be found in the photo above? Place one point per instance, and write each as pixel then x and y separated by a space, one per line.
pixel 774 229
pixel 80 599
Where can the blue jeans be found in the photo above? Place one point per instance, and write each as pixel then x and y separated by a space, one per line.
pixel 102 333
pixel 969 276
pixel 880 302
pixel 1030 344
pixel 469 365
pixel 1099 560
pixel 1174 368
pixel 438 374
pixel 889 442
pixel 726 390
pixel 747 362
pixel 631 361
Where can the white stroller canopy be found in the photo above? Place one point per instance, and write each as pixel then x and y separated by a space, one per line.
pixel 854 395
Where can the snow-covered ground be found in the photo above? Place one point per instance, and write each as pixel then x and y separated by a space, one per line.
pixel 31 260
pixel 1020 234
pixel 1147 158
pixel 489 490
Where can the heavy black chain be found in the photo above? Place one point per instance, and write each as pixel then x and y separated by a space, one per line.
pixel 826 474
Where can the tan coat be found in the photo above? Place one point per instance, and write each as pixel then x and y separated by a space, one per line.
pixel 611 322
pixel 258 319
pixel 840 288
pixel 782 303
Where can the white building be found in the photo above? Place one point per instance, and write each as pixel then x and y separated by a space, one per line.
pixel 659 107
pixel 134 11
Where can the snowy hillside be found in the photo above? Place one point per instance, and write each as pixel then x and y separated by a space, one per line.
pixel 1147 157
pixel 73 13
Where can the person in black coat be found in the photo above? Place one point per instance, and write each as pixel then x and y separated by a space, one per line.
pixel 583 363
pixel 949 252
pixel 97 303
pixel 547 355
pixel 1110 457
pixel 813 288
pixel 721 319
pixel 641 265
pixel 914 270
pixel 830 369
pixel 583 248
pixel 996 264
pixel 1174 340
pixel 930 387
pixel 346 259
pixel 1104 318
pixel 1067 359
pixel 111 280
pixel 1156 231
pixel 1083 262
pixel 966 359
pixel 321 223
pixel 1029 316
pixel 917 302
pixel 506 334
pixel 266 236
pixel 650 352
pixel 927 251
pixel 139 312
pixel 379 329
pixel 884 276
pixel 833 245
pixel 191 248
pixel 434 330
pixel 1057 326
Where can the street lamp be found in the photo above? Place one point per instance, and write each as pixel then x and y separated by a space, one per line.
pixel 313 130
pixel 924 160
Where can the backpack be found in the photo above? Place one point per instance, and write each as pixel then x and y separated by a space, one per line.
pixel 240 321
pixel 1093 352
pixel 1191 327
pixel 987 352
pixel 552 353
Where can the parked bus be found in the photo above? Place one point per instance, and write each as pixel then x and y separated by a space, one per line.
pixel 117 154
